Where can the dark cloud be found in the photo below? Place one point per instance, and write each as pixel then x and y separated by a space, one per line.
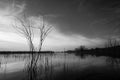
pixel 107 13
pixel 92 18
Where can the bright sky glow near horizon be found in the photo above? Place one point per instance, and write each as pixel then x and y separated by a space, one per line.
pixel 58 39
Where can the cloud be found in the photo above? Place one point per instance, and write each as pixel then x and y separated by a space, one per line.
pixel 11 37
pixel 12 46
pixel 71 39
pixel 11 9
pixel 93 18
pixel 59 40
pixel 7 13
pixel 54 39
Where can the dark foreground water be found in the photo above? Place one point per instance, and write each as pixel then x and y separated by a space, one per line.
pixel 59 66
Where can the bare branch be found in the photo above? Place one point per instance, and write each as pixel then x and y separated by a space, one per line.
pixel 24 26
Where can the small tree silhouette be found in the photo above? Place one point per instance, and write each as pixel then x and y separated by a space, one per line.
pixel 112 43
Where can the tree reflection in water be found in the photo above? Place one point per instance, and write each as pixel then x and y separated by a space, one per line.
pixel 41 69
pixel 66 66
pixel 114 62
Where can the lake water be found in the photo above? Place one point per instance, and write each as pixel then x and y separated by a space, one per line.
pixel 59 63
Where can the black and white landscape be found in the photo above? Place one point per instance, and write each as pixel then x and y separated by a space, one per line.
pixel 59 39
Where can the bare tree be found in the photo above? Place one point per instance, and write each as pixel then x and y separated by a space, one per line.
pixel 24 26
pixel 43 33
pixel 44 30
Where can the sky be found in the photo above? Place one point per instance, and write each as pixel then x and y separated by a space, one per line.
pixel 75 22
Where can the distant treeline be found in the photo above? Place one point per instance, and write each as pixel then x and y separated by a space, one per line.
pixel 24 52
pixel 108 51
pixel 112 49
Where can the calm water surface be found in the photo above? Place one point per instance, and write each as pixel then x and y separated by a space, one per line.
pixel 59 62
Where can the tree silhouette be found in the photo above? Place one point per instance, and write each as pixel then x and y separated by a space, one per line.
pixel 112 43
pixel 44 30
pixel 26 27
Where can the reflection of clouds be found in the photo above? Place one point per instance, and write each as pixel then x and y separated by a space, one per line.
pixel 12 67
pixel 56 61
